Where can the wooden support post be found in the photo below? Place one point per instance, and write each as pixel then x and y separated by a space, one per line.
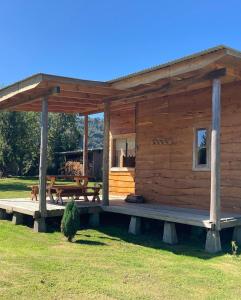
pixel 169 233
pixel 17 218
pixel 105 192
pixel 215 155
pixel 43 158
pixel 135 225
pixel 39 225
pixel 85 146
pixel 213 243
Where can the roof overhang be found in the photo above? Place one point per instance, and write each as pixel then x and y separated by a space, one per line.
pixel 64 94
pixel 70 95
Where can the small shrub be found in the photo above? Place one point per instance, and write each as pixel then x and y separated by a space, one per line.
pixel 70 222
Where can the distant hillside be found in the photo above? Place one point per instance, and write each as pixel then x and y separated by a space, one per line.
pixel 96 129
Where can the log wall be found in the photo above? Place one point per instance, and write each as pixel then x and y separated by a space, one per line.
pixel 122 183
pixel 122 121
pixel 165 132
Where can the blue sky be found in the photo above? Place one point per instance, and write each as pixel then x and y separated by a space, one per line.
pixel 104 39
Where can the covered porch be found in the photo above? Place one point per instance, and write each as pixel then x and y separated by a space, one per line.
pixel 47 93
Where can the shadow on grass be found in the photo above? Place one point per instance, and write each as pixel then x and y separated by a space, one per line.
pixel 99 237
pixel 114 228
pixel 185 247
pixel 90 243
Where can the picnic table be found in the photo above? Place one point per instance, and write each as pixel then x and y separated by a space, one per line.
pixel 80 188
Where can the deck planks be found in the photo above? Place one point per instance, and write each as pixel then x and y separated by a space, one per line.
pixel 189 216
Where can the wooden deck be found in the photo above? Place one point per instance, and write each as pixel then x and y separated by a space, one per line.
pixel 171 214
pixel 31 208
pixel 117 205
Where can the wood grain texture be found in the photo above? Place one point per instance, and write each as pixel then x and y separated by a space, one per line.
pixel 106 160
pixel 164 172
pixel 43 157
pixel 122 183
pixel 122 122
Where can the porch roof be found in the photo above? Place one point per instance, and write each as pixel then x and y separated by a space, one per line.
pixel 65 94
pixel 72 95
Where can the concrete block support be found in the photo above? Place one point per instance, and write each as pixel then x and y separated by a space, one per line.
pixel 94 220
pixel 213 243
pixel 17 218
pixel 3 214
pixel 39 225
pixel 237 235
pixel 169 233
pixel 135 225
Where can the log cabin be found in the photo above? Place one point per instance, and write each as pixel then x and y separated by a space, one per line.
pixel 172 135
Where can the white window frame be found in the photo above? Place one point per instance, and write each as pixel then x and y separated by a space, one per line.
pixel 195 166
pixel 112 138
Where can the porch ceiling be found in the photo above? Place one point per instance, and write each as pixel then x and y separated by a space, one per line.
pixel 74 96
pixel 86 97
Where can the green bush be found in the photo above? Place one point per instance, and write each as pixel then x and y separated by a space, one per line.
pixel 70 222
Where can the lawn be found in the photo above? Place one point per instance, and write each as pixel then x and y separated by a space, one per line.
pixel 18 187
pixel 110 264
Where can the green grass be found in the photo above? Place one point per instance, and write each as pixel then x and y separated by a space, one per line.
pixel 107 264
pixel 18 187
pixel 110 264
pixel 15 187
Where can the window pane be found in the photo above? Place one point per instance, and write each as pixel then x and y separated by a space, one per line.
pixel 131 147
pixel 202 147
pixel 202 137
pixel 124 152
pixel 202 156
pixel 120 149
pixel 129 159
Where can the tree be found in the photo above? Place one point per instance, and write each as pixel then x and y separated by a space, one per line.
pixel 63 135
pixel 20 140
pixel 70 222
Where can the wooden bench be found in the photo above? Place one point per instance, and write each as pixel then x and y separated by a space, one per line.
pixel 80 189
pixel 75 191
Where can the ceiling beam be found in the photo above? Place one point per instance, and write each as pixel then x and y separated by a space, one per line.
pixel 95 90
pixel 172 85
pixel 60 99
pixel 56 106
pixel 79 95
pixel 28 98
pixel 54 110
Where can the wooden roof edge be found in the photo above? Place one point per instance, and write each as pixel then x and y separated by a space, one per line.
pixel 64 79
pixel 21 86
pixel 221 48
pixel 36 79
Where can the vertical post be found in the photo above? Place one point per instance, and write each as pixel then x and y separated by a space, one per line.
pixel 106 145
pixel 215 154
pixel 43 158
pixel 85 146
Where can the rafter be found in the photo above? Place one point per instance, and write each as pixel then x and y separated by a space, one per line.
pixel 172 85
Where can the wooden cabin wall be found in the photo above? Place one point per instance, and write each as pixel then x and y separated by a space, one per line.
pixel 164 159
pixel 122 121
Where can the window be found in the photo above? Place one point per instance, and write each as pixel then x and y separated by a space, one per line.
pixel 201 149
pixel 124 152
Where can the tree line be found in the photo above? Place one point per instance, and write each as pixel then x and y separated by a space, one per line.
pixel 20 140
